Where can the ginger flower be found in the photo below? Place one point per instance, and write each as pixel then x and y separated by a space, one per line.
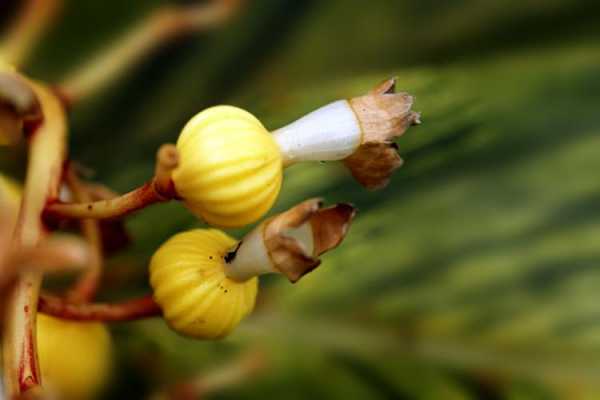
pixel 360 131
pixel 206 282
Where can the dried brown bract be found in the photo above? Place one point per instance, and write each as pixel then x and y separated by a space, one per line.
pixel 384 115
pixel 291 242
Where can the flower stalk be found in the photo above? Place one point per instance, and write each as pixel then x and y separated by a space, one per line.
pixel 165 24
pixel 143 307
pixel 46 156
pixel 56 254
pixel 34 18
pixel 86 286
pixel 159 189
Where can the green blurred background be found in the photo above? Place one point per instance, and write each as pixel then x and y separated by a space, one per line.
pixel 473 275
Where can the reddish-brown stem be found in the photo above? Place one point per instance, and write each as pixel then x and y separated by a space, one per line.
pixel 167 159
pixel 159 189
pixel 111 208
pixel 53 255
pixel 87 285
pixel 46 156
pixel 143 307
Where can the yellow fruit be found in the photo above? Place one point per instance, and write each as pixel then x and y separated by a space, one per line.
pixel 230 167
pixel 188 277
pixel 75 357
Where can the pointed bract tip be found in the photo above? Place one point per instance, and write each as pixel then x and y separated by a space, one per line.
pixel 387 86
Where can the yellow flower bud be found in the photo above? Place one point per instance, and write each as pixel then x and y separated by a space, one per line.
pixel 187 274
pixel 75 357
pixel 230 168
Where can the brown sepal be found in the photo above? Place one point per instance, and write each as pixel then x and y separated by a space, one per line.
pixel 329 227
pixel 373 163
pixel 383 116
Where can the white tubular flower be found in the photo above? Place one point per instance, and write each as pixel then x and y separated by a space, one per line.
pixel 205 281
pixel 291 242
pixel 331 132
pixel 359 131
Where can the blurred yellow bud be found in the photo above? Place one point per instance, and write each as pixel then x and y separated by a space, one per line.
pixel 230 168
pixel 75 357
pixel 187 274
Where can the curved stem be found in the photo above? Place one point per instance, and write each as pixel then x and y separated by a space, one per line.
pixel 111 208
pixel 160 189
pixel 53 255
pixel 161 26
pixel 143 307
pixel 86 286
pixel 33 19
pixel 46 156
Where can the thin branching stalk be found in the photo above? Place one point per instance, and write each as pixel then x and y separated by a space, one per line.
pixel 143 307
pixel 86 286
pixel 46 158
pixel 159 189
pixel 163 25
pixel 34 18
pixel 56 254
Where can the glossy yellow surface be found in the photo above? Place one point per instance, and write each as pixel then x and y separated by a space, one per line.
pixel 230 168
pixel 75 357
pixel 190 285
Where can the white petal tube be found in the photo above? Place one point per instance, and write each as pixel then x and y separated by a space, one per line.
pixel 251 258
pixel 291 242
pixel 329 133
pixel 305 236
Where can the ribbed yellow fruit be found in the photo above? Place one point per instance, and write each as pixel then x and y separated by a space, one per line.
pixel 188 277
pixel 230 167
pixel 75 357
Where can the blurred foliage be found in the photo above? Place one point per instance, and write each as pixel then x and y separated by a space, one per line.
pixel 472 276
